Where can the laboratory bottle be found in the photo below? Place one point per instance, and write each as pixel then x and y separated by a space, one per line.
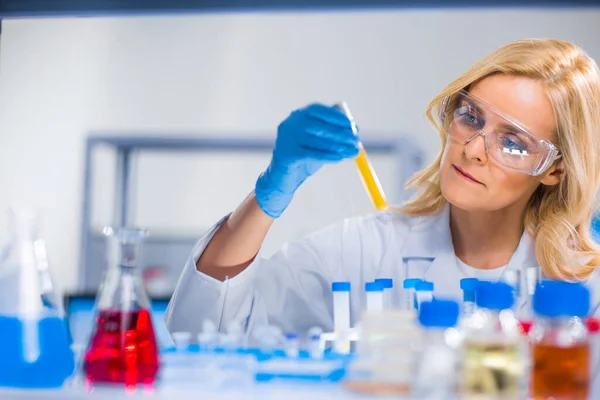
pixel 423 292
pixel 123 348
pixel 560 342
pixel 375 296
pixel 33 331
pixel 469 287
pixel 492 363
pixel 436 368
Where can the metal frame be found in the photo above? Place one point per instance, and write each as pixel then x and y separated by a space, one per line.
pixel 91 8
pixel 407 153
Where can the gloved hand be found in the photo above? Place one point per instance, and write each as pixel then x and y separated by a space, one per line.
pixel 306 140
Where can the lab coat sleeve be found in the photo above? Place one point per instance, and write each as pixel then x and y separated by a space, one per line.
pixel 291 289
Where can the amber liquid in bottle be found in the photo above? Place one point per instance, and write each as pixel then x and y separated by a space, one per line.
pixel 560 372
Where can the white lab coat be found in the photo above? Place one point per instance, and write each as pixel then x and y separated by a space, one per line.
pixel 292 289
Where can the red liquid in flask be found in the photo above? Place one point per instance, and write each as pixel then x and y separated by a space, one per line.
pixel 122 349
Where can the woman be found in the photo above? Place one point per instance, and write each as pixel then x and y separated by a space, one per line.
pixel 514 186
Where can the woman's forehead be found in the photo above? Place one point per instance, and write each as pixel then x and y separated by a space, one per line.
pixel 521 99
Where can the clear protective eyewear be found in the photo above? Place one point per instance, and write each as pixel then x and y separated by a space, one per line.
pixel 507 142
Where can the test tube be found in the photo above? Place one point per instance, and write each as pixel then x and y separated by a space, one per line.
pixel 388 287
pixel 374 296
pixel 292 345
pixel 314 342
pixel 513 278
pixel 424 292
pixel 469 288
pixel 341 316
pixel 366 170
pixel 409 301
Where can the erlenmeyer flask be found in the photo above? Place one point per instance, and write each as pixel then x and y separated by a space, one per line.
pixel 36 346
pixel 123 346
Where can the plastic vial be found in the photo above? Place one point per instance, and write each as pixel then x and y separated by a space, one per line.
pixel 493 364
pixel 560 343
pixel 436 367
pixel 409 299
pixel 366 170
pixel 513 278
pixel 375 294
pixel 388 290
pixel 123 346
pixel 36 350
pixel 313 342
pixel 207 339
pixel 424 292
pixel 292 345
pixel 469 288
pixel 526 313
pixel 341 316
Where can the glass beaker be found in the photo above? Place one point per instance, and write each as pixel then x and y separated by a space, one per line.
pixel 123 348
pixel 36 344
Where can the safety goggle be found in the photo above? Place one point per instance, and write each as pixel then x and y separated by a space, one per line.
pixel 507 142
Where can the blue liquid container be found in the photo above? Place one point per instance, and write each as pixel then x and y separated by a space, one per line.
pixel 36 350
pixel 55 363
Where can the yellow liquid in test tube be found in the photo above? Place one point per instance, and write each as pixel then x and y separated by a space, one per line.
pixel 366 170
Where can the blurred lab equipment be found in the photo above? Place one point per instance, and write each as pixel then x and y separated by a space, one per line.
pixel 365 168
pixel 469 288
pixel 386 354
pixel 409 298
pixel 375 294
pixel 436 368
pixel 36 345
pixel 492 361
pixel 123 348
pixel 560 344
pixel 389 299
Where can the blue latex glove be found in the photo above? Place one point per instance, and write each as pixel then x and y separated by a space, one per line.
pixel 306 140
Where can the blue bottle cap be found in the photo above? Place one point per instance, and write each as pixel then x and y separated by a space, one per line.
pixel 424 286
pixel 291 335
pixel 439 313
pixel 374 287
pixel 469 287
pixel 387 283
pixel 411 283
pixel 561 299
pixel 340 287
pixel 494 295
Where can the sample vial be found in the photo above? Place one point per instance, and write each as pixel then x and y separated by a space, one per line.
pixel 424 292
pixel 560 342
pixel 374 292
pixel 469 287
pixel 409 300
pixel 388 290
pixel 341 316
pixel 366 170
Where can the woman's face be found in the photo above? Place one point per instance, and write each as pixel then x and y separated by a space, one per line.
pixel 469 179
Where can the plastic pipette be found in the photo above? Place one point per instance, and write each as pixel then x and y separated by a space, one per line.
pixel 366 170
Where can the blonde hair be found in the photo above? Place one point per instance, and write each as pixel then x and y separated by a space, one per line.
pixel 558 217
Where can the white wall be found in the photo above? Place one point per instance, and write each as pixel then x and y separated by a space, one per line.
pixel 60 79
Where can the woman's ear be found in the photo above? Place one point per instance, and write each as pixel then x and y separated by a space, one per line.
pixel 554 174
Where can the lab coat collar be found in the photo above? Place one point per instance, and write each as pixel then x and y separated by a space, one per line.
pixel 430 237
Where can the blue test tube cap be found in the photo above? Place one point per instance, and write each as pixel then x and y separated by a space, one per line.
pixel 554 299
pixel 439 313
pixel 374 287
pixel 387 283
pixel 410 283
pixel 494 295
pixel 340 287
pixel 469 288
pixel 424 286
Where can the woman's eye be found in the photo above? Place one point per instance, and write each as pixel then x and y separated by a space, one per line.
pixel 512 145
